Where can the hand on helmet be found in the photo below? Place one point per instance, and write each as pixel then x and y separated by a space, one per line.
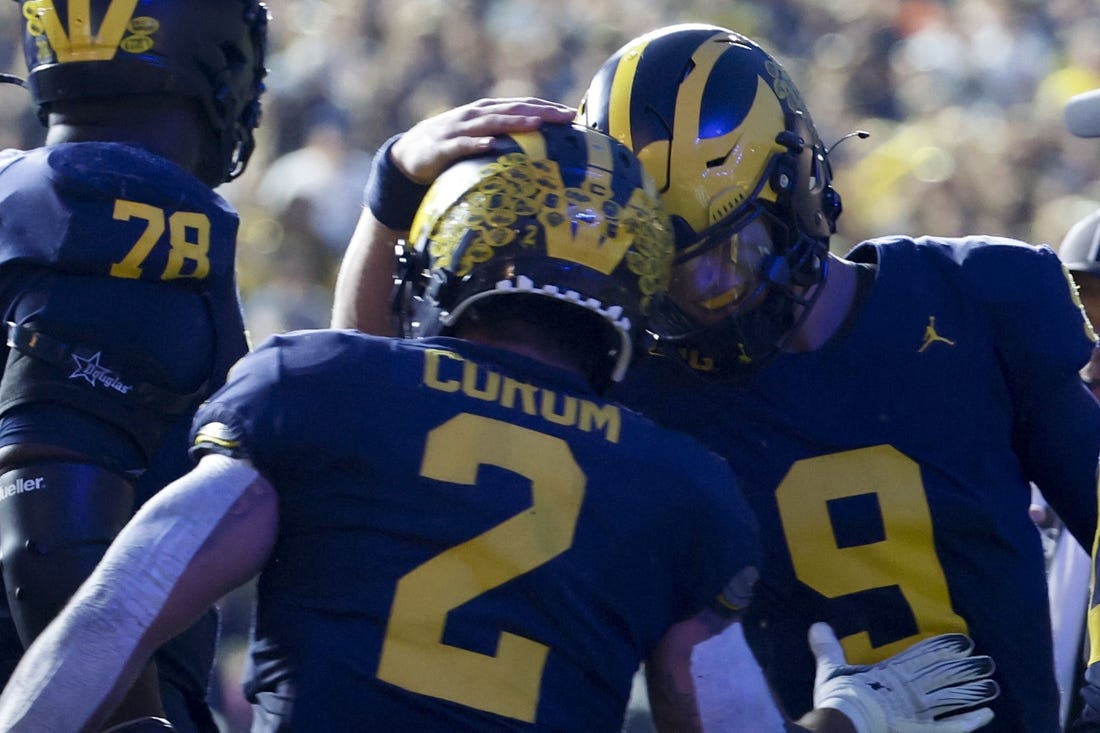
pixel 906 693
pixel 432 145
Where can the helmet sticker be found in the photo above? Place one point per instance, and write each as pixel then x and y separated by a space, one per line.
pixel 583 224
pixel 784 86
pixel 77 43
pixel 564 212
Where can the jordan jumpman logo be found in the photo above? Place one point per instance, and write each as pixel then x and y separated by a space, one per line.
pixel 931 336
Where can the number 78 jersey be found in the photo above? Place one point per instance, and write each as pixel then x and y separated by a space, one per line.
pixel 136 260
pixel 114 210
pixel 468 540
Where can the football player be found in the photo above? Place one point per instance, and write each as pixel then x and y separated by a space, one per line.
pixel 118 290
pixel 1080 250
pixel 456 531
pixel 886 409
pixel 1068 563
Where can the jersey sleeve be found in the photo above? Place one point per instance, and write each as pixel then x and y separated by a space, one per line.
pixel 1038 320
pixel 235 420
pixel 1043 338
pixel 721 563
pixel 285 405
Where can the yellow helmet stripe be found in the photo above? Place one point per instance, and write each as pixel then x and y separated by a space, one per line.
pixel 622 86
pixel 689 113
pixel 532 144
pixel 722 300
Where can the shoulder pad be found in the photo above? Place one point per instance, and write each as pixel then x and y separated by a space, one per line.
pixel 58 199
pixel 109 170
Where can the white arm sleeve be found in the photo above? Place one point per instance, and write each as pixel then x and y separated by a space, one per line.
pixel 730 688
pixel 75 664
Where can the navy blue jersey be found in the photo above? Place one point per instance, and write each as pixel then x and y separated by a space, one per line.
pixel 120 264
pixel 114 210
pixel 129 259
pixel 468 540
pixel 890 469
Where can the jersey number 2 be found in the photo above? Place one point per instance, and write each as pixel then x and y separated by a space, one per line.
pixel 414 656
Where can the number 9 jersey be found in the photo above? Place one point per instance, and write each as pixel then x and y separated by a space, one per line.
pixel 890 469
pixel 468 539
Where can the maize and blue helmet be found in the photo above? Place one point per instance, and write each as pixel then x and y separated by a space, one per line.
pixel 742 173
pixel 564 213
pixel 208 50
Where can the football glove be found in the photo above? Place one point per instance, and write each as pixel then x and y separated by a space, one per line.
pixel 908 692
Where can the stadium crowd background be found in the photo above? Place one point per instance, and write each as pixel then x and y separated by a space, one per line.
pixel 963 100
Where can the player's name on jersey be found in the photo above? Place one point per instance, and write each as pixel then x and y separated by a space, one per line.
pixel 447 371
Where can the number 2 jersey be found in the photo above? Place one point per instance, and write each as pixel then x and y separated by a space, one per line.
pixel 468 540
pixel 890 469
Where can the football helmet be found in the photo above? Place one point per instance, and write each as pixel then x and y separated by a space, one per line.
pixel 1080 248
pixel 563 212
pixel 210 50
pixel 742 173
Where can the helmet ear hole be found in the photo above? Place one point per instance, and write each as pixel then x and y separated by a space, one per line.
pixel 784 175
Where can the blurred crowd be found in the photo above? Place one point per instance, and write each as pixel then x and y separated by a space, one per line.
pixel 963 100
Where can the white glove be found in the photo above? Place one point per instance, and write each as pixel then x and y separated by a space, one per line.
pixel 907 692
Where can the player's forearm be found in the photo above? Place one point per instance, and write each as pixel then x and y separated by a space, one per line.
pixel 672 701
pixel 703 677
pixel 1059 455
pixel 77 670
pixel 364 283
pixel 158 575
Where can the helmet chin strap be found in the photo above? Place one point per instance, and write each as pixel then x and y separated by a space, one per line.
pixel 802 306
